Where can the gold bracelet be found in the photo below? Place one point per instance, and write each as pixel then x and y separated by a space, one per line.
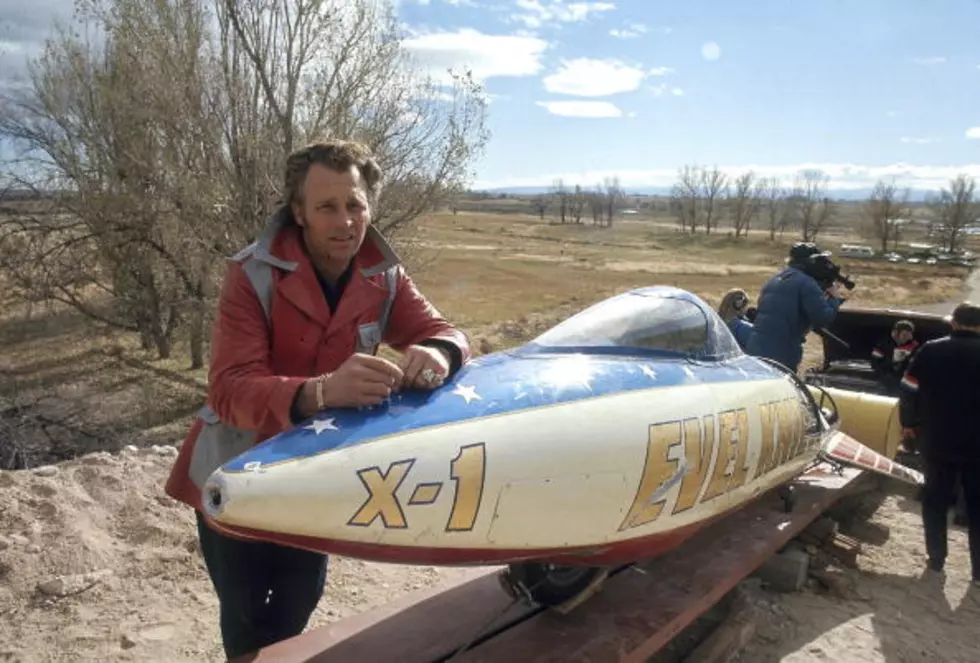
pixel 319 391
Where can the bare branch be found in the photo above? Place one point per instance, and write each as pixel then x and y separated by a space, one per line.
pixel 884 211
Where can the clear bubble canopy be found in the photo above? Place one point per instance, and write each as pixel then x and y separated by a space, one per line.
pixel 649 321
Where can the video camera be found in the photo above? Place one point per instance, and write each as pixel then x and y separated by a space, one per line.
pixel 826 272
pixel 818 265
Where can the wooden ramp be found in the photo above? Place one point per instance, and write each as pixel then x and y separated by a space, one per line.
pixel 639 610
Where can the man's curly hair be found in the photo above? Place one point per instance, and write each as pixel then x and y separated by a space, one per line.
pixel 335 154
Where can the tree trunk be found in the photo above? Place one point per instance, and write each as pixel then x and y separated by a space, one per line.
pixel 197 335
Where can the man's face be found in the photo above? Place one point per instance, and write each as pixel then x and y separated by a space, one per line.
pixel 902 336
pixel 334 217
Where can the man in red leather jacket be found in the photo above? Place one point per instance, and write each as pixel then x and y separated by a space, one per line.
pixel 301 313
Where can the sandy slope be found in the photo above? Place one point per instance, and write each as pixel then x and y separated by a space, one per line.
pixel 147 596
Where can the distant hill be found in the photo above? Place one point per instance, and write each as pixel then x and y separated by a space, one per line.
pixel 918 195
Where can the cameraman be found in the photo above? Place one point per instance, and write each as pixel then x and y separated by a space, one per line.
pixel 804 295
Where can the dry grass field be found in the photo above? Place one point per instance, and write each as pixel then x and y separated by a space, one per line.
pixel 502 277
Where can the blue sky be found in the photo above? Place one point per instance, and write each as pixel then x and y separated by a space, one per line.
pixel 638 88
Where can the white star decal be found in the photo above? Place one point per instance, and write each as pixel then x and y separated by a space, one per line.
pixel 468 393
pixel 320 425
pixel 649 372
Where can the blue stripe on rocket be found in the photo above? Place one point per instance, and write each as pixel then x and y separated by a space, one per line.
pixel 495 384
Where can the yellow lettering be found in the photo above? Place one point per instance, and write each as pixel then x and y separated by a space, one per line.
pixel 657 470
pixel 737 423
pixel 381 499
pixel 698 438
pixel 728 454
pixel 789 416
pixel 425 493
pixel 768 450
pixel 785 435
pixel 468 470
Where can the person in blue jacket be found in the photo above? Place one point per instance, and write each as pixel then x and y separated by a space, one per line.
pixel 791 304
pixel 732 310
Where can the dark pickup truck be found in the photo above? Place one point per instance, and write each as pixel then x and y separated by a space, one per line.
pixel 849 340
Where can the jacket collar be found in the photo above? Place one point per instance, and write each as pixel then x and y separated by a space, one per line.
pixel 280 244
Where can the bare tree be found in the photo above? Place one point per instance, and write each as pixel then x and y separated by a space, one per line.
pixel 745 201
pixel 613 194
pixel 107 135
pixel 886 206
pixel 167 125
pixel 577 203
pixel 685 198
pixel 561 193
pixel 540 205
pixel 698 197
pixel 809 204
pixel 714 186
pixel 774 206
pixel 597 205
pixel 955 208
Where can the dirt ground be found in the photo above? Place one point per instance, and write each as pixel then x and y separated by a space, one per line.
pixel 889 609
pixel 97 564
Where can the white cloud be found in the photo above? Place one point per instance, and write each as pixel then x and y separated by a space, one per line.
pixel 486 55
pixel 710 50
pixel 660 71
pixel 631 30
pixel 537 13
pixel 663 89
pixel 919 141
pixel 973 132
pixel 581 108
pixel 842 175
pixel 936 59
pixel 585 77
pixel 456 3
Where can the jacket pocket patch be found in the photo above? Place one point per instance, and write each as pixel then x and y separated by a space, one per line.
pixel 368 337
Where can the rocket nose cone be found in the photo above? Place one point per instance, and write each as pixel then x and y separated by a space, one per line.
pixel 214 496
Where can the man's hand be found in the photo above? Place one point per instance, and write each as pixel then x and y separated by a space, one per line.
pixel 361 380
pixel 835 291
pixel 423 367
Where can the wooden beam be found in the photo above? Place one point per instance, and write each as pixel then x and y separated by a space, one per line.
pixel 419 627
pixel 638 611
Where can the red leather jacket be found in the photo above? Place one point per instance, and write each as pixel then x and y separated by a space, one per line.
pixel 256 367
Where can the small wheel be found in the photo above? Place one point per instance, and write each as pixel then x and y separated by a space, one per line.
pixel 550 584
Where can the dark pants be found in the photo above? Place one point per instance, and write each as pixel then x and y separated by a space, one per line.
pixel 939 496
pixel 266 592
